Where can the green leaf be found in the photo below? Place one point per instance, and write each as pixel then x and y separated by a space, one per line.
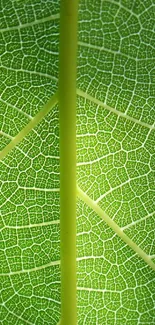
pixel 115 163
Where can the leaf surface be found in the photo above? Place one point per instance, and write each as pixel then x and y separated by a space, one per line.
pixel 115 163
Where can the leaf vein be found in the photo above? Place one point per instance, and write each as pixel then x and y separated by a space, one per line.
pixel 113 110
pixel 112 224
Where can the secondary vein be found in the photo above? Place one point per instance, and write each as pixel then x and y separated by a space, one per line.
pixel 113 225
pixel 113 110
pixel 34 121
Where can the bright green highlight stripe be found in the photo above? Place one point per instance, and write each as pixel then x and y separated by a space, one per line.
pixel 112 224
pixel 31 125
pixel 67 104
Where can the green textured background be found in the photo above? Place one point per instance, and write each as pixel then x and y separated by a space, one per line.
pixel 115 162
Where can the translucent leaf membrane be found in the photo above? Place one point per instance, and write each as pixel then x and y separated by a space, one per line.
pixel 29 40
pixel 114 285
pixel 30 228
pixel 116 55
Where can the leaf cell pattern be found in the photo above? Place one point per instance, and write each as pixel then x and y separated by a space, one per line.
pixel 115 162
